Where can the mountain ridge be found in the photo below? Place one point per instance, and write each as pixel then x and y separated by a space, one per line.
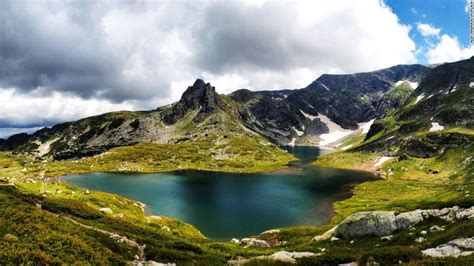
pixel 295 117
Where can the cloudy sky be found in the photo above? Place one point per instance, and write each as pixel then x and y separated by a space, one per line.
pixel 63 60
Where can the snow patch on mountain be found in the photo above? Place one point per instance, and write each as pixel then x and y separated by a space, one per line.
pixel 333 127
pixel 382 160
pixel 336 132
pixel 435 126
pixel 332 137
pixel 366 126
pixel 292 142
pixel 419 98
pixel 324 86
pixel 398 83
pixel 44 148
pixel 413 85
pixel 298 132
pixel 346 147
pixel 310 117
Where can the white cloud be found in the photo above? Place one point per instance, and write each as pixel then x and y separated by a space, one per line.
pixel 428 30
pixel 18 109
pixel 413 10
pixel 448 49
pixel 285 41
pixel 138 55
pixel 467 7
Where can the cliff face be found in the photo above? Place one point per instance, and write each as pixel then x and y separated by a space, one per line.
pixel 201 96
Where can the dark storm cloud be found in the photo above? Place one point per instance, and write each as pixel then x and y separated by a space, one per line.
pixel 242 36
pixel 137 52
pixel 62 47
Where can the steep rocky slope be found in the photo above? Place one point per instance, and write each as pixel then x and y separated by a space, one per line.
pixel 200 114
pixel 301 116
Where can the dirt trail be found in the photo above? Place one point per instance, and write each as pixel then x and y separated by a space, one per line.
pixel 130 242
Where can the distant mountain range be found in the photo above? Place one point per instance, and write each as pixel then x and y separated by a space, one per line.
pixel 326 111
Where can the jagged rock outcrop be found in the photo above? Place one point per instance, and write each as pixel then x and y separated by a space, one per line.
pixel 200 96
pixel 375 128
pixel 384 223
pixel 455 248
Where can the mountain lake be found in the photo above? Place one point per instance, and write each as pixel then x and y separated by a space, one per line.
pixel 228 205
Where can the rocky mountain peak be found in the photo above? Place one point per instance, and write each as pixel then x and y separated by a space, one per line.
pixel 198 84
pixel 200 96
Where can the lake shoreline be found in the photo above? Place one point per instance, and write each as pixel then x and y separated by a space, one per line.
pixel 307 181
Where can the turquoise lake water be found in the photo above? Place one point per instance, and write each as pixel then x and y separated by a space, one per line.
pixel 225 205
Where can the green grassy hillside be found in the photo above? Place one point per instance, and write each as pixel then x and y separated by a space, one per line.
pixel 427 148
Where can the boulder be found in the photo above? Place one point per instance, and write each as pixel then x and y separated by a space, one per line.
pixel 254 242
pixel 259 243
pixel 436 228
pixel 106 210
pixel 246 241
pixel 380 223
pixel 285 256
pixel 154 263
pixel 420 240
pixel 408 219
pixel 454 248
pixel 282 256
